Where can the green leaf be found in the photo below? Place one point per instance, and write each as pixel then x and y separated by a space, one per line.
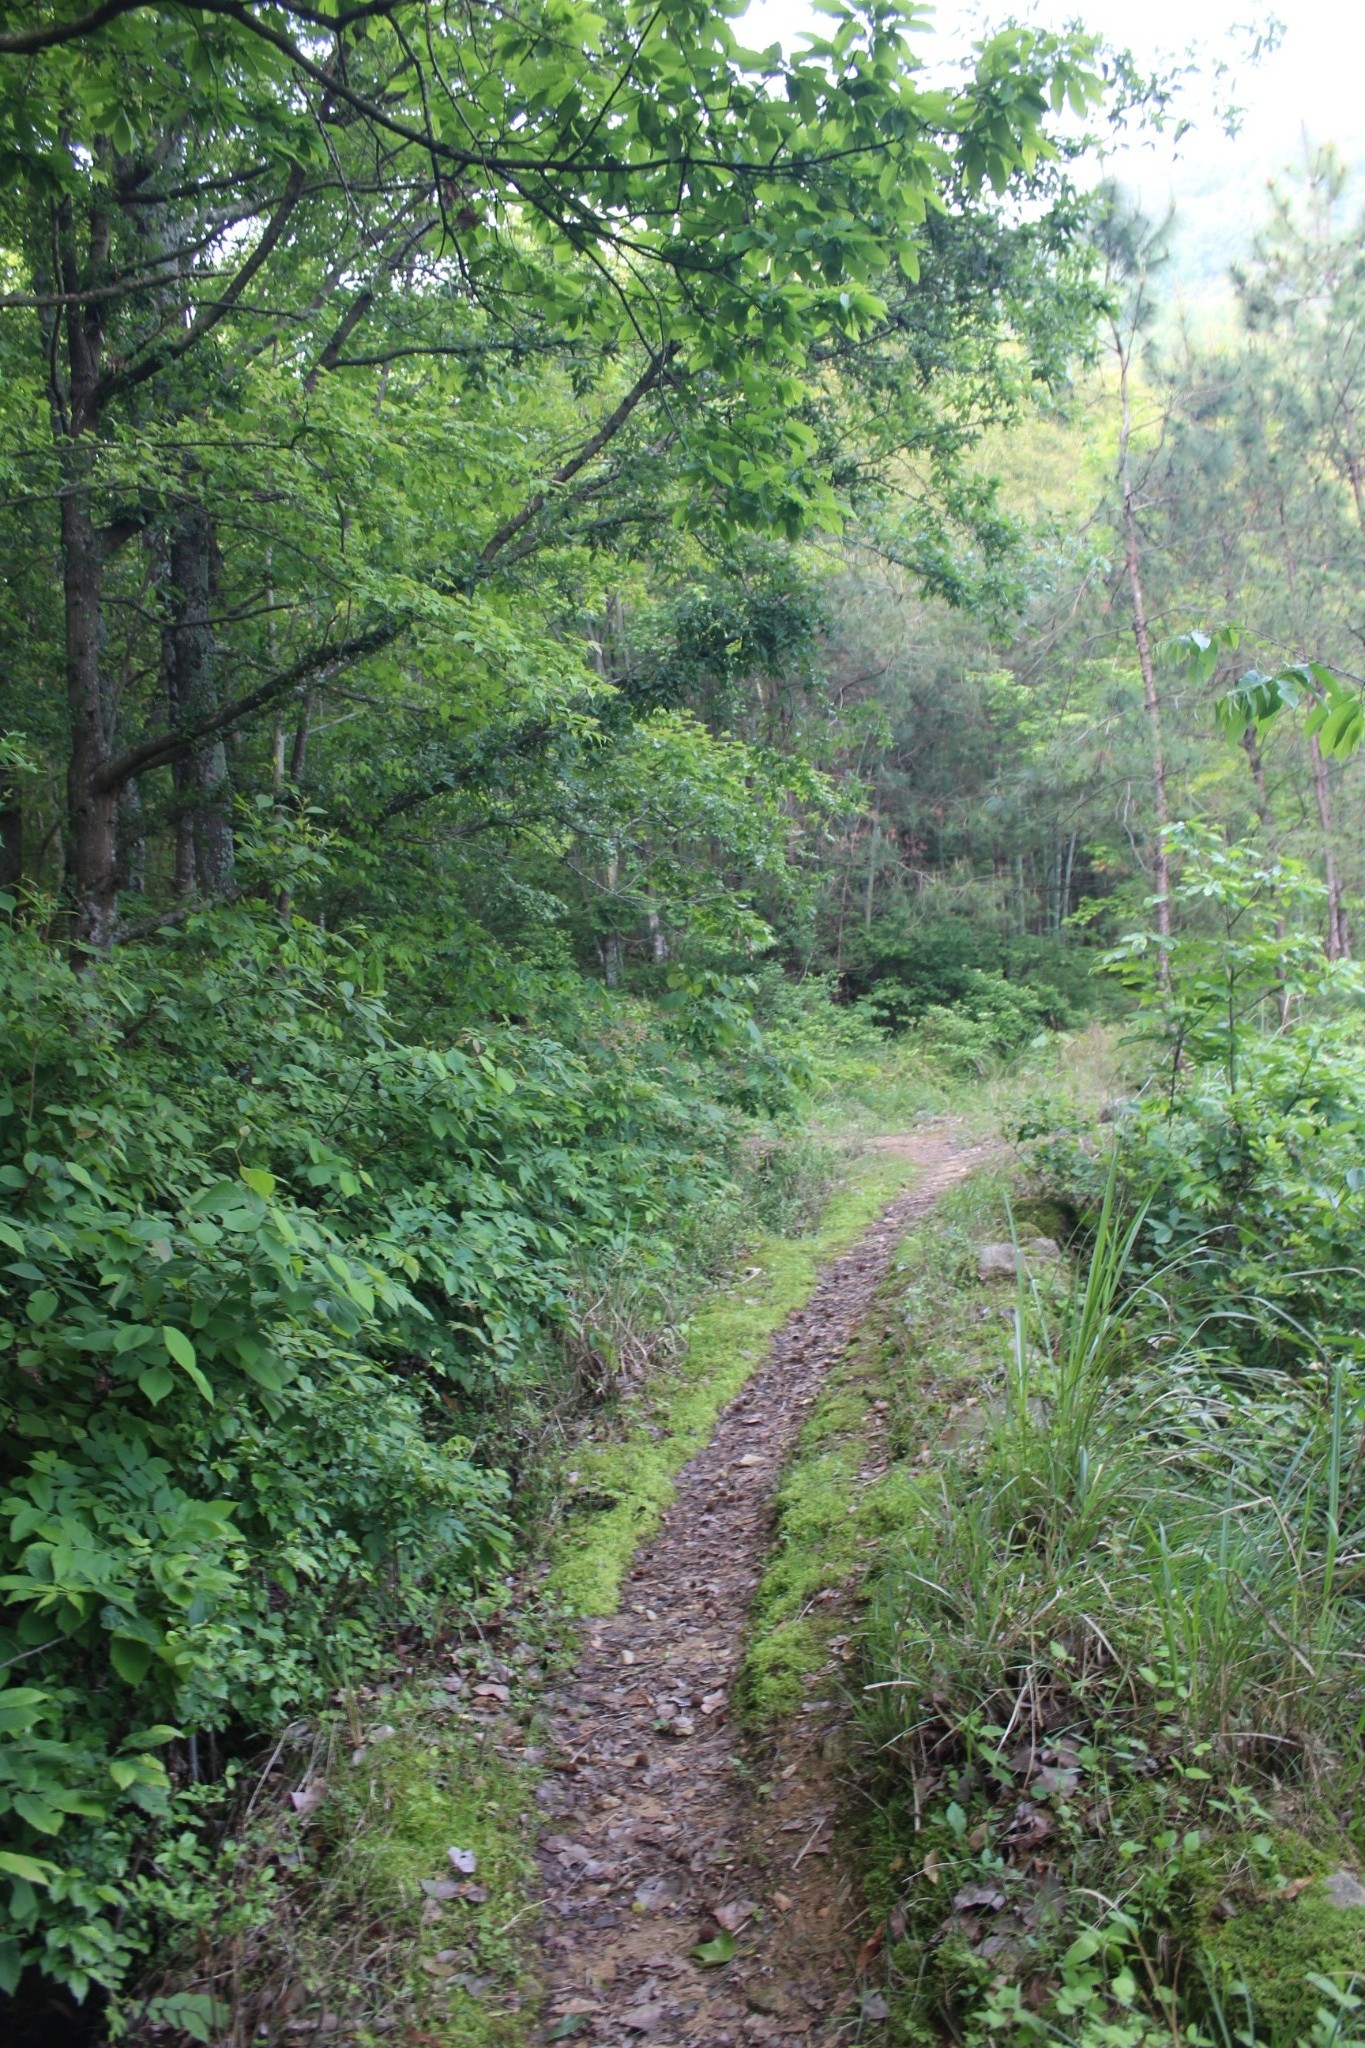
pixel 265 1373
pixel 37 1813
pixel 711 1954
pixel 30 1869
pixel 130 1657
pixel 182 1351
pixel 42 1306
pixel 156 1383
pixel 258 1180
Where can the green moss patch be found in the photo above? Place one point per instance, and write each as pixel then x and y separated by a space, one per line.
pixel 1265 1944
pixel 834 1510
pixel 447 1968
pixel 830 1522
pixel 625 1483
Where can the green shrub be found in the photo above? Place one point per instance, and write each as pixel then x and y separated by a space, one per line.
pixel 991 1019
pixel 275 1274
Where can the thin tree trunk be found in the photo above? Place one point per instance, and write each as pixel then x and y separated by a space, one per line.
pixel 132 840
pixel 611 945
pixel 204 848
pixel 1161 871
pixel 11 834
pixel 298 753
pixel 1066 886
pixel 1338 947
pixel 92 812
pixel 1251 747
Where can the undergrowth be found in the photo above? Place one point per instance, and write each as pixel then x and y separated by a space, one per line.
pixel 1109 1682
pixel 377 1882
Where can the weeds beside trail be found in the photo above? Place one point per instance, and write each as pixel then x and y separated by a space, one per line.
pixel 1108 1682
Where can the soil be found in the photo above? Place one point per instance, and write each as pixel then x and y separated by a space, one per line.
pixel 659 1838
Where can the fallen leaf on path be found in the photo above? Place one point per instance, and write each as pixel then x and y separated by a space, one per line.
pixel 712 1701
pixel 490 1690
pixel 1051 1781
pixel 309 1796
pixel 872 2006
pixel 643 2019
pixel 711 1954
pixel 564 2030
pixel 440 1887
pixel 463 1860
pixel 733 1917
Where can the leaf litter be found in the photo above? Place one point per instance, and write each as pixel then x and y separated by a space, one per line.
pixel 688 1909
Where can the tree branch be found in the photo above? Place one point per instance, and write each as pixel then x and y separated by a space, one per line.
pixel 168 747
pixel 208 316
pixel 593 446
pixel 26 42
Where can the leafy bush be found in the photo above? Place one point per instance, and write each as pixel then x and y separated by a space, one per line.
pixel 991 1019
pixel 904 967
pixel 271 1266
pixel 1245 1145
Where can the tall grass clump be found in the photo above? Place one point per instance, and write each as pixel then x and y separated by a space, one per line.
pixel 1111 1702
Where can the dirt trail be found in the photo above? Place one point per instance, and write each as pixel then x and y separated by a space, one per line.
pixel 652 1823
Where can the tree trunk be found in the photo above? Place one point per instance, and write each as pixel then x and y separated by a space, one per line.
pixel 1066 885
pixel 204 848
pixel 1161 871
pixel 93 812
pixel 11 834
pixel 131 873
pixel 1338 947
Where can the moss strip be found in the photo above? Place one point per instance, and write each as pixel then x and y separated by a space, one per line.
pixel 633 1475
pixel 835 1509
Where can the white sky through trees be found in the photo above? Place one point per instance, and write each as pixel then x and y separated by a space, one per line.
pixel 1309 87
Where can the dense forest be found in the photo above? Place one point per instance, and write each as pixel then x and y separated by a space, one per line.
pixel 590 615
